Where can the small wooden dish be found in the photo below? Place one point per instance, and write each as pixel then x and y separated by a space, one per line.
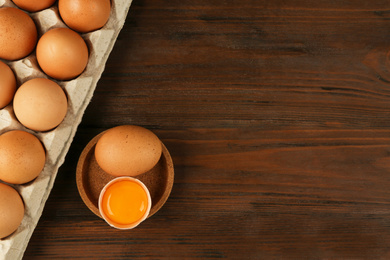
pixel 91 178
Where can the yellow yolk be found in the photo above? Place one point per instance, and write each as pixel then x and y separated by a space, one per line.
pixel 125 202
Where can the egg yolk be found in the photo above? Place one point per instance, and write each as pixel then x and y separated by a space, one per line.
pixel 125 202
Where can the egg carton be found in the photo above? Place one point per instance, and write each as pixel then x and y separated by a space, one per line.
pixel 57 142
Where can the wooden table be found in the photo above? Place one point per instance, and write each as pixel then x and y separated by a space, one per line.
pixel 277 117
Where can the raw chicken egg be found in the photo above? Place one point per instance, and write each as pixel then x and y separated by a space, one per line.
pixel 62 53
pixel 84 15
pixel 124 202
pixel 22 157
pixel 11 210
pixel 40 104
pixel 18 34
pixel 128 150
pixel 7 84
pixel 34 5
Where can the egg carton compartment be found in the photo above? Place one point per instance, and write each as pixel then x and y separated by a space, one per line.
pixel 79 92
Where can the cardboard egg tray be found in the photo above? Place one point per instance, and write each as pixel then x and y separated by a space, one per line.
pixel 57 142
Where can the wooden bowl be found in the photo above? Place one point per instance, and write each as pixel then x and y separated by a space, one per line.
pixel 91 178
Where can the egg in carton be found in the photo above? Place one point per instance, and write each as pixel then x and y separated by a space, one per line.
pixel 79 92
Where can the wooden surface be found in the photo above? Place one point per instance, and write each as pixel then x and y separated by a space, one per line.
pixel 277 117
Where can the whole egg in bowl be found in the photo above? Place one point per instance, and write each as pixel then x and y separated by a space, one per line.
pixel 128 150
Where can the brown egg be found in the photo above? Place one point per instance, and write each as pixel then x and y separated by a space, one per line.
pixel 18 34
pixel 128 150
pixel 85 15
pixel 11 210
pixel 40 104
pixel 62 53
pixel 7 84
pixel 34 5
pixel 22 157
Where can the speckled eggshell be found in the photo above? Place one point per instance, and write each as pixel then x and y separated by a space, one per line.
pixel 84 15
pixel 62 53
pixel 18 34
pixel 128 150
pixel 11 210
pixel 22 157
pixel 40 104
pixel 7 84
pixel 33 5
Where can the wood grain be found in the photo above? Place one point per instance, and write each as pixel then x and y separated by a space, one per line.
pixel 276 114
